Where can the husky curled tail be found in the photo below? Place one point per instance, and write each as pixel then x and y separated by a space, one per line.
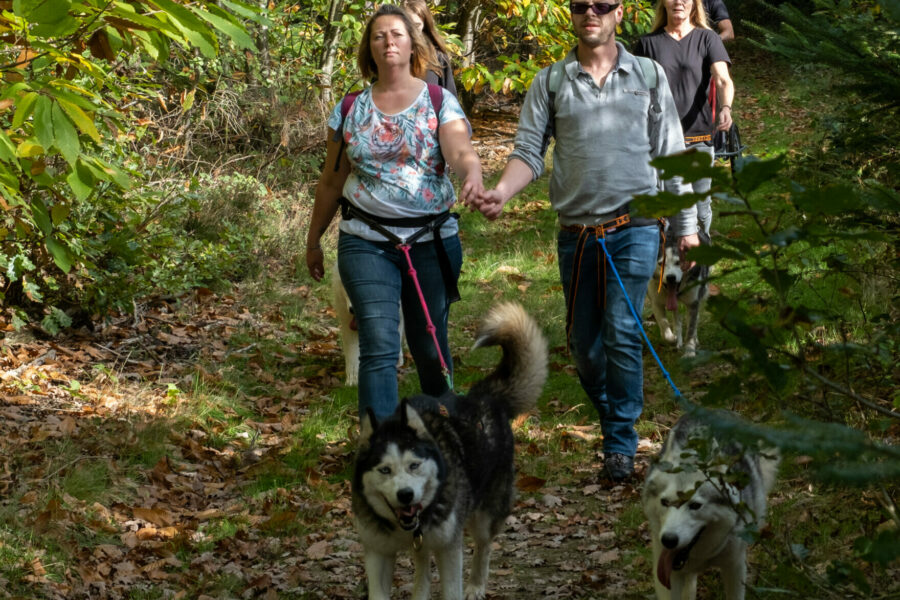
pixel 439 465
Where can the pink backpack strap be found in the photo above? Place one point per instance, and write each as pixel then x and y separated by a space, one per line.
pixel 346 104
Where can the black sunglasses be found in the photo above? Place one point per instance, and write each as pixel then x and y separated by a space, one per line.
pixel 580 8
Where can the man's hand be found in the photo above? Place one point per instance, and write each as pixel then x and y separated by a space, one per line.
pixel 685 243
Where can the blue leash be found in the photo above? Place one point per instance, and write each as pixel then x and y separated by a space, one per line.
pixel 638 318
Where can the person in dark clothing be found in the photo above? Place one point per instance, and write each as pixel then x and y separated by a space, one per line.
pixel 691 55
pixel 718 17
pixel 442 73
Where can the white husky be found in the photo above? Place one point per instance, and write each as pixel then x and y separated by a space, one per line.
pixel 349 334
pixel 697 515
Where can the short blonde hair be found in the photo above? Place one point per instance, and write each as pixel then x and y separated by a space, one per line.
pixel 422 51
pixel 697 16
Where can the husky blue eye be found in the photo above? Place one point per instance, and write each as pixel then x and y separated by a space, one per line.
pixel 385 470
pixel 413 466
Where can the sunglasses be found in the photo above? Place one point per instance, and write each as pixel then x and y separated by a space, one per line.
pixel 580 8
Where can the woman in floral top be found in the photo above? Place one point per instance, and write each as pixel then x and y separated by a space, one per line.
pixel 393 167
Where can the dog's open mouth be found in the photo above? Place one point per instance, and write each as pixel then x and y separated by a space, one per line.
pixel 672 297
pixel 408 516
pixel 673 560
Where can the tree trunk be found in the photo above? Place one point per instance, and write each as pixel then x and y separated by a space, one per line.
pixel 262 36
pixel 470 12
pixel 329 51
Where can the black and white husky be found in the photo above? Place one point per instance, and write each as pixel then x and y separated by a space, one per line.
pixel 440 465
pixel 689 288
pixel 701 496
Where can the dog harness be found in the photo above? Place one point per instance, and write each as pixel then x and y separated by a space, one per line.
pixel 427 224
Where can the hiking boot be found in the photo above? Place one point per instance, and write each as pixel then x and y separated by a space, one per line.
pixel 618 466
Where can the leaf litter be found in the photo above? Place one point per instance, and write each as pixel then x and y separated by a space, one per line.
pixel 184 522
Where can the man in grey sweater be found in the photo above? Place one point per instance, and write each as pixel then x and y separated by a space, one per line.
pixel 606 133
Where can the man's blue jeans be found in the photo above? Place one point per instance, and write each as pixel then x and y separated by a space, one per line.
pixel 605 340
pixel 375 275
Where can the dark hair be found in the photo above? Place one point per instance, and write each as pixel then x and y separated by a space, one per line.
pixel 423 55
pixel 429 29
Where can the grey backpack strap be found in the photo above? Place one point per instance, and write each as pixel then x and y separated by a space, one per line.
pixel 649 70
pixel 651 76
pixel 554 79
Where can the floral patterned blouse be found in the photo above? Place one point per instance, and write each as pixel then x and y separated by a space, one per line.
pixel 396 165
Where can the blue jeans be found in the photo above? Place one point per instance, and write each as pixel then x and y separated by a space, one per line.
pixel 375 275
pixel 606 341
pixel 701 186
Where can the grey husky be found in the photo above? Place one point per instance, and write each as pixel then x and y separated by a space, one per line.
pixel 441 465
pixel 689 288
pixel 700 496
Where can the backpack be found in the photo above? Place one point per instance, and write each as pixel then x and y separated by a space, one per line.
pixel 554 78
pixel 435 93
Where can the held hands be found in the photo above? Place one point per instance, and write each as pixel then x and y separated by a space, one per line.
pixel 489 203
pixel 472 188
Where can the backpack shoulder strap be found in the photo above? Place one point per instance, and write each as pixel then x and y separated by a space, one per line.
pixel 346 104
pixel 436 94
pixel 554 80
pixel 651 76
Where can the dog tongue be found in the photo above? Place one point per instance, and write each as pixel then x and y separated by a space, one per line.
pixel 672 300
pixel 353 325
pixel 664 567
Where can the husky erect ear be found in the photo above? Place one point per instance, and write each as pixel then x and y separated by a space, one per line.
pixel 410 418
pixel 367 427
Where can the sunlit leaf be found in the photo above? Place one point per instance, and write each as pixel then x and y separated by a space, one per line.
pixel 66 135
pixel 84 123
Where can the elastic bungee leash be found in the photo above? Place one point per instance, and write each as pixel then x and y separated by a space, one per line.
pixel 637 318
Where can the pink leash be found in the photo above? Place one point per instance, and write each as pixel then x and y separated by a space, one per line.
pixel 429 323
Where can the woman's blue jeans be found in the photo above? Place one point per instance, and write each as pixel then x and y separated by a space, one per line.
pixel 702 186
pixel 375 275
pixel 605 339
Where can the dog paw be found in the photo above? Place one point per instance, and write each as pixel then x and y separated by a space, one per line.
pixel 474 593
pixel 668 335
pixel 690 351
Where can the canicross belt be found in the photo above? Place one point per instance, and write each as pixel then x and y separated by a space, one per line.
pixel 695 139
pixel 426 224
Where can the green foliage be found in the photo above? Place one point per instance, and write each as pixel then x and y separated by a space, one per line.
pixel 861 41
pixel 74 212
pixel 532 35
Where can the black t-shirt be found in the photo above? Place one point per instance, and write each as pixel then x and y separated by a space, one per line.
pixel 687 64
pixel 715 11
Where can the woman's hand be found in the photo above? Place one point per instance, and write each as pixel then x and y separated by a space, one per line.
pixel 315 262
pixel 724 119
pixel 472 188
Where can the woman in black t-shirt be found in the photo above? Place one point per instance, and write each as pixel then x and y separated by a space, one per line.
pixel 692 55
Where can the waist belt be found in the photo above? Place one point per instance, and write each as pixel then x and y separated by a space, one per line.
pixel 426 224
pixel 694 139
